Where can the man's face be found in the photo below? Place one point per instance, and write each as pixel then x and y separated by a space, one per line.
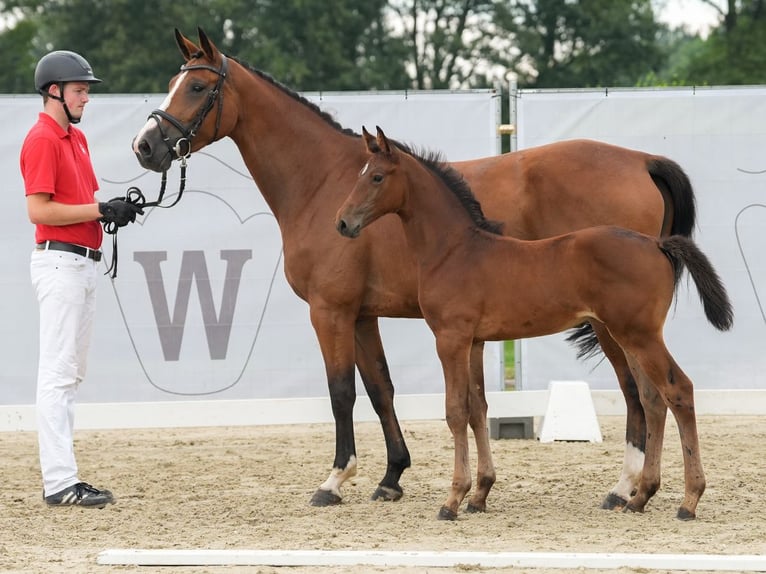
pixel 76 95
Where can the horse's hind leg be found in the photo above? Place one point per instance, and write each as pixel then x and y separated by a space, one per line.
pixel 635 423
pixel 477 400
pixel 676 392
pixel 655 415
pixel 371 361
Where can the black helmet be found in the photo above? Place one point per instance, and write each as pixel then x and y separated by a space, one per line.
pixel 62 66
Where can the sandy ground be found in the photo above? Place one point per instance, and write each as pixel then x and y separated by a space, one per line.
pixel 249 487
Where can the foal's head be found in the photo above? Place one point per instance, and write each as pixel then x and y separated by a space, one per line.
pixel 387 178
pixel 380 188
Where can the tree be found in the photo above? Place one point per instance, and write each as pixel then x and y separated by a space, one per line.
pixel 579 43
pixel 321 45
pixel 447 41
pixel 308 44
pixel 17 74
pixel 735 52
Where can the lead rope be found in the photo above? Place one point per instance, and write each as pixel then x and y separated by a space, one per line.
pixel 135 196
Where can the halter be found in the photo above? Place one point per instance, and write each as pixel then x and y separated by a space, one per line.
pixel 135 195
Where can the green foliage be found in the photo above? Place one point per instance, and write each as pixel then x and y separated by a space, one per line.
pixel 18 40
pixel 731 57
pixel 449 43
pixel 313 45
pixel 584 43
pixel 319 45
pixel 307 44
pixel 509 351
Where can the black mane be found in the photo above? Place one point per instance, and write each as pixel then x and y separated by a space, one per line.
pixel 434 161
pixel 454 180
pixel 297 97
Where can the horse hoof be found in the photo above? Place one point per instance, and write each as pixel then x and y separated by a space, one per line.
pixel 613 502
pixel 631 508
pixel 325 498
pixel 473 508
pixel 684 514
pixel 386 493
pixel 446 514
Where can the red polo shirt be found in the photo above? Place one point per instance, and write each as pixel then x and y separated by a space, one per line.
pixel 57 162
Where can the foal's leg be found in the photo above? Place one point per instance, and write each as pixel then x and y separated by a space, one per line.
pixel 454 352
pixel 335 332
pixel 477 400
pixel 656 415
pixel 677 392
pixel 635 423
pixel 373 368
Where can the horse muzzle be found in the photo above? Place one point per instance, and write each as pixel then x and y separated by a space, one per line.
pixel 156 157
pixel 348 230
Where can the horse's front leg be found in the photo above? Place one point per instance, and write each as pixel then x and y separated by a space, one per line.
pixel 335 332
pixel 635 423
pixel 485 471
pixel 371 361
pixel 454 353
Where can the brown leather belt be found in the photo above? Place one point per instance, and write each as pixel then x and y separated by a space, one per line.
pixel 71 248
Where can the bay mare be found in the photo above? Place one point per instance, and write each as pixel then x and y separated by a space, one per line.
pixel 476 285
pixel 304 163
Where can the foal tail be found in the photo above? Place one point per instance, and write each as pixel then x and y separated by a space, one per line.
pixel 683 252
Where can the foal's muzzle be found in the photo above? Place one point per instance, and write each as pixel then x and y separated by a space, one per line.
pixel 347 230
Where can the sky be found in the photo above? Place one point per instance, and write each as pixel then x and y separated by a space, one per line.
pixel 696 15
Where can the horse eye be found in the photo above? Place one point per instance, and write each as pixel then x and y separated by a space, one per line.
pixel 197 87
pixel 377 178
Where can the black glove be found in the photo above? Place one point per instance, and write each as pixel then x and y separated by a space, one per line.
pixel 119 211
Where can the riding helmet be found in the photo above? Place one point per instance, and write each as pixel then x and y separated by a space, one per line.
pixel 62 66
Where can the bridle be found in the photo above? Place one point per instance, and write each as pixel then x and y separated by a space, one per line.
pixel 135 195
pixel 187 134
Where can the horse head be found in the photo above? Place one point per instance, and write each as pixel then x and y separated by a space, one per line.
pixel 377 190
pixel 193 114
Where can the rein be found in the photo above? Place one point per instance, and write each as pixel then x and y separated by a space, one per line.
pixel 134 195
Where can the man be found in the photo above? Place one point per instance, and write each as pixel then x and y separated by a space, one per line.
pixel 60 185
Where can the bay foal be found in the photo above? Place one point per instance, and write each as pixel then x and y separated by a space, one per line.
pixel 476 285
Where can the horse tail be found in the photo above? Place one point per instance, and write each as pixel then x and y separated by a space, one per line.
pixel 683 252
pixel 584 339
pixel 676 189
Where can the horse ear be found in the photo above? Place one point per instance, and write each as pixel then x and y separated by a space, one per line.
pixel 207 45
pixel 186 46
pixel 386 146
pixel 370 141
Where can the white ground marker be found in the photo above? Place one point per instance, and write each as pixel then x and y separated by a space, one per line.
pixel 570 414
pixel 198 557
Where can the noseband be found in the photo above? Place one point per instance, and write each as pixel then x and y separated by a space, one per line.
pixel 187 133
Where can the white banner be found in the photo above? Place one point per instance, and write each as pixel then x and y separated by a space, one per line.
pixel 717 135
pixel 220 243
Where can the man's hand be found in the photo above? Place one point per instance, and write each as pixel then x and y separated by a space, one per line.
pixel 119 211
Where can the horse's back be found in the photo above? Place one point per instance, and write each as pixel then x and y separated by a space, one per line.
pixel 564 186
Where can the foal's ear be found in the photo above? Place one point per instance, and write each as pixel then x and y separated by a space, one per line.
pixel 207 45
pixel 186 46
pixel 370 141
pixel 385 145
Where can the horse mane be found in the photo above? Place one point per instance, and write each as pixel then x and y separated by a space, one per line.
pixel 434 161
pixel 296 96
pixel 456 183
